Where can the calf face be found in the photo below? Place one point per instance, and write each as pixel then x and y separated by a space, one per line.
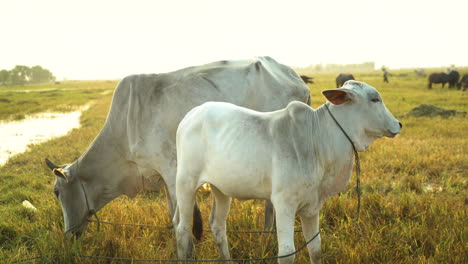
pixel 363 112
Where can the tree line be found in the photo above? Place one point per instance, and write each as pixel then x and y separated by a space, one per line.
pixel 21 74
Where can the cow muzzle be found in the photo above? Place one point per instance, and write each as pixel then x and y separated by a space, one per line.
pixel 73 234
pixel 392 133
pixel 77 231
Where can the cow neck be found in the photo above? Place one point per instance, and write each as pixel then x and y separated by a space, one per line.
pixel 356 160
pixel 342 129
pixel 97 167
pixel 90 206
pixel 96 155
pixel 91 210
pixel 96 163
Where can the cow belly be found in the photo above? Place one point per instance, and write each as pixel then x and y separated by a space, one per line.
pixel 240 186
pixel 242 173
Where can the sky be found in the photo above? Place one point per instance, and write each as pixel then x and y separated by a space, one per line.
pixel 110 39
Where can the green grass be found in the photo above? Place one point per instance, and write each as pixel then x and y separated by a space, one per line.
pixel 16 102
pixel 414 201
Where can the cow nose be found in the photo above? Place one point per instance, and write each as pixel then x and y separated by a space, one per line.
pixel 401 125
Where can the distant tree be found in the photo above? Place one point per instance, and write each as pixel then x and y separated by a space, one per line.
pixel 39 74
pixel 4 76
pixel 20 74
pixel 23 74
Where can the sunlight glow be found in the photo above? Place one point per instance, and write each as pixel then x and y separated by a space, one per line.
pixel 111 39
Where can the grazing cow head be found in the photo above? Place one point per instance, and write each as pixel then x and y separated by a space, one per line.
pixel 70 191
pixel 359 108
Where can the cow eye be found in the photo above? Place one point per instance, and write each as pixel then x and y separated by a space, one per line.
pixel 375 100
pixel 56 192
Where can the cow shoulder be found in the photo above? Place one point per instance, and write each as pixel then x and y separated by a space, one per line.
pixel 285 123
pixel 290 136
pixel 142 87
pixel 211 115
pixel 297 111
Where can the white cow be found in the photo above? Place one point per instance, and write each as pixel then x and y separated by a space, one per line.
pixel 136 147
pixel 297 157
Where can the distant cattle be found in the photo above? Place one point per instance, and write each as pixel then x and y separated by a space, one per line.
pixel 443 78
pixel 307 79
pixel 420 72
pixel 342 78
pixel 440 77
pixel 463 84
pixel 454 76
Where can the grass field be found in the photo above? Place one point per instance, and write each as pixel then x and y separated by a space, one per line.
pixel 18 101
pixel 414 189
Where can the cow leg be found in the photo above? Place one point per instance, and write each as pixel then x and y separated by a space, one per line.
pixel 218 217
pixel 171 199
pixel 186 202
pixel 169 176
pixel 310 227
pixel 285 216
pixel 269 215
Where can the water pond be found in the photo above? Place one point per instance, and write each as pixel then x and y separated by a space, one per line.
pixel 16 136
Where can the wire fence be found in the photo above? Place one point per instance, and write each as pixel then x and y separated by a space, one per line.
pixel 171 226
pixel 136 260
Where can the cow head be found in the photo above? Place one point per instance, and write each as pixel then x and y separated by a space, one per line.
pixel 73 197
pixel 359 108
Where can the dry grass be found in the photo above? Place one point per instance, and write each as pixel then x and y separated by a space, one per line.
pixel 414 204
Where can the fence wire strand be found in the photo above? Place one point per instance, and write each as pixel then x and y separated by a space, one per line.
pixel 180 260
pixel 177 260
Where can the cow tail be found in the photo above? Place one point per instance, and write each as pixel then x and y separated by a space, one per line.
pixel 197 228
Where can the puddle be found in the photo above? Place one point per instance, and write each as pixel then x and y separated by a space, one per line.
pixel 15 136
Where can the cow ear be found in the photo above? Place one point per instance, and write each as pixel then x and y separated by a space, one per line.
pixel 337 96
pixel 61 173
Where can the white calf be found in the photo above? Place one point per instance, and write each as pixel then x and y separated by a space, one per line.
pixel 297 157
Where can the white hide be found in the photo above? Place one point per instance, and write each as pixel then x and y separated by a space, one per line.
pixel 136 148
pixel 297 157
